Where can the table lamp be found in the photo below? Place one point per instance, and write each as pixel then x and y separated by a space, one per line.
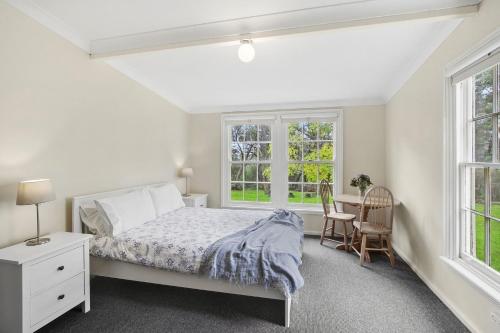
pixel 186 172
pixel 35 192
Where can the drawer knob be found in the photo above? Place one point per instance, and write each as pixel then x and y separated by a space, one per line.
pixel 60 268
pixel 60 297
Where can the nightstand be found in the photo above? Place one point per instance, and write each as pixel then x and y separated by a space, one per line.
pixel 196 200
pixel 40 283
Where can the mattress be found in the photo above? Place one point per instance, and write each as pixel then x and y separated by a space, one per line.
pixel 177 240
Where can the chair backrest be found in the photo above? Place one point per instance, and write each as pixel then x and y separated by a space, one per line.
pixel 378 207
pixel 325 191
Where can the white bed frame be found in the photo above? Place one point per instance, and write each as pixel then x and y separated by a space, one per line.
pixel 135 272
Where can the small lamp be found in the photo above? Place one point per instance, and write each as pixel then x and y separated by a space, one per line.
pixel 35 192
pixel 186 172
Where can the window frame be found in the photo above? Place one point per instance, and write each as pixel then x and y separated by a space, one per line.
pixel 279 158
pixel 457 144
pixel 466 163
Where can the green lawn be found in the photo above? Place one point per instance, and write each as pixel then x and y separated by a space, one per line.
pixel 251 195
pixel 494 236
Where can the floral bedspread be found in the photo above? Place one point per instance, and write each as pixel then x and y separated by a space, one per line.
pixel 177 240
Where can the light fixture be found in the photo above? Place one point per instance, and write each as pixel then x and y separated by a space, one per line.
pixel 35 192
pixel 246 52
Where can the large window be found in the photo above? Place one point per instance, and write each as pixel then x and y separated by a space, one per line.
pixel 310 159
pixel 482 180
pixel 251 151
pixel 477 108
pixel 278 159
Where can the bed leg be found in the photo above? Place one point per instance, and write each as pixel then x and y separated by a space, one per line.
pixel 288 305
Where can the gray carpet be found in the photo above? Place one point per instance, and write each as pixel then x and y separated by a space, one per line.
pixel 339 296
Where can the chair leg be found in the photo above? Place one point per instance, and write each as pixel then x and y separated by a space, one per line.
pixel 325 223
pixel 353 238
pixel 333 229
pixel 389 248
pixel 363 249
pixel 346 245
pixel 380 241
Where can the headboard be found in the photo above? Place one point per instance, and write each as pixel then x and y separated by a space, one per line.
pixel 80 200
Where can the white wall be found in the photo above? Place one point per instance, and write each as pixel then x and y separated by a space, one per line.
pixel 89 128
pixel 76 121
pixel 414 122
pixel 364 152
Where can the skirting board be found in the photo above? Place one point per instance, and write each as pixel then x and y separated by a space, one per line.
pixel 436 290
pixel 312 233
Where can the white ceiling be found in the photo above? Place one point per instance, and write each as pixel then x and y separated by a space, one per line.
pixel 362 65
pixel 352 66
pixel 96 19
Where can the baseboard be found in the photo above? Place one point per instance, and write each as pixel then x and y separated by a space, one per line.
pixel 312 233
pixel 436 291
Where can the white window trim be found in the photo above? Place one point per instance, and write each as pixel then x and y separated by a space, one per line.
pixel 479 276
pixel 280 117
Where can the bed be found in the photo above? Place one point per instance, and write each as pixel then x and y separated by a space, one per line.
pixel 172 249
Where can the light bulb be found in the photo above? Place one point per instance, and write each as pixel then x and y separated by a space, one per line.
pixel 246 52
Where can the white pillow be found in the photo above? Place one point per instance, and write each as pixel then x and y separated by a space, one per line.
pixel 166 198
pixel 93 220
pixel 89 217
pixel 126 211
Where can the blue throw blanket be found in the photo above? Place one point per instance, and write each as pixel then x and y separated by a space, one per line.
pixel 266 253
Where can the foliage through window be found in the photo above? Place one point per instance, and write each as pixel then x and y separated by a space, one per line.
pixel 278 159
pixel 310 159
pixel 251 150
pixel 478 97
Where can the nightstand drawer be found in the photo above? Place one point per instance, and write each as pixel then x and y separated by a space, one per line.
pixel 196 200
pixel 57 298
pixel 56 269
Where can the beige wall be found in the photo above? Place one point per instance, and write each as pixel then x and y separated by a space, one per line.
pixel 76 121
pixel 89 128
pixel 364 152
pixel 414 119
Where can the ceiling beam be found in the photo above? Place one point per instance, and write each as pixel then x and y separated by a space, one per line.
pixel 264 26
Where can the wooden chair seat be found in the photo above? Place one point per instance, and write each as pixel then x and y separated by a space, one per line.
pixel 341 216
pixel 377 214
pixel 333 216
pixel 370 228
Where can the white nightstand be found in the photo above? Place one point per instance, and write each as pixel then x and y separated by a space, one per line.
pixel 196 200
pixel 40 283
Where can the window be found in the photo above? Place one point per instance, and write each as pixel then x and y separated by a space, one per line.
pixel 310 159
pixel 481 167
pixel 278 159
pixel 475 168
pixel 251 163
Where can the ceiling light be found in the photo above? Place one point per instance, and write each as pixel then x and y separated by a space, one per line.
pixel 246 52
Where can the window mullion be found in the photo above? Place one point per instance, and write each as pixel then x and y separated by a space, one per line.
pixel 495 109
pixel 495 156
pixel 487 213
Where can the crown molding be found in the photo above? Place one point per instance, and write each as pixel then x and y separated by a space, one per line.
pixel 53 23
pixel 340 16
pixel 402 76
pixel 315 105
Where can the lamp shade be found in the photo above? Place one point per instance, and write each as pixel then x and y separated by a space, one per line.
pixel 187 172
pixel 32 192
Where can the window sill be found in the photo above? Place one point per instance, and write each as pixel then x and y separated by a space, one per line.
pixel 477 278
pixel 299 210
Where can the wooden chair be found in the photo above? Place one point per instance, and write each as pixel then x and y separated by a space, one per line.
pixel 326 191
pixel 377 213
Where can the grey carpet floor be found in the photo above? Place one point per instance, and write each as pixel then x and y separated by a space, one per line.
pixel 339 296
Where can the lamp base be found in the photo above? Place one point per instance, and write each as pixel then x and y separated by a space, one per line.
pixel 35 241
